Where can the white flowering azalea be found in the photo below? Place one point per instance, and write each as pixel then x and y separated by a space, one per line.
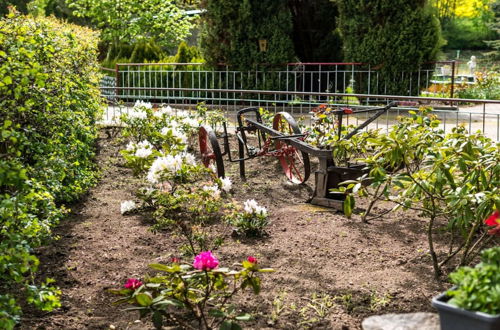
pixel 212 167
pixel 127 206
pixel 226 184
pixel 145 144
pixel 189 158
pixel 138 113
pixel 142 104
pixel 213 190
pixel 251 207
pixel 175 132
pixel 131 146
pixel 261 210
pixel 182 114
pixel 164 111
pixel 191 122
pixel 168 163
pixel 143 152
pixel 180 135
pixel 165 130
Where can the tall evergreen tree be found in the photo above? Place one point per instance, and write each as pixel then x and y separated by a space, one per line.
pixel 314 35
pixel 391 35
pixel 232 30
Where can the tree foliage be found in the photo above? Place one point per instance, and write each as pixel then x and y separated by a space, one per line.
pixel 129 21
pixel 232 30
pixel 393 36
pixel 314 34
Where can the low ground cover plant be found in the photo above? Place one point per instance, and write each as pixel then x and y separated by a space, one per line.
pixel 50 103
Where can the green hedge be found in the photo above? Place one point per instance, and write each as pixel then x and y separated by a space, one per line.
pixel 49 103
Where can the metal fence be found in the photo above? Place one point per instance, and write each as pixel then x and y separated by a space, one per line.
pixel 292 77
pixel 482 115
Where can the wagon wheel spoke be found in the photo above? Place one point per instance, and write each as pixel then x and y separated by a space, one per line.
pixel 292 165
pixel 295 163
pixel 210 150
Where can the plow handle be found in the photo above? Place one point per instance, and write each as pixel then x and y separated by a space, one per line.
pixel 370 120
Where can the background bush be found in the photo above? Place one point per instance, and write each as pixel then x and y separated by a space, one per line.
pixel 391 36
pixel 50 102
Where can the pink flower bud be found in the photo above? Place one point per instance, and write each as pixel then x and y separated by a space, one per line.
pixel 175 260
pixel 252 260
pixel 132 283
pixel 205 261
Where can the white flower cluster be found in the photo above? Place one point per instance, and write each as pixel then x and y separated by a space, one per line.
pixel 138 111
pixel 251 207
pixel 127 206
pixel 169 163
pixel 142 104
pixel 164 111
pixel 213 190
pixel 142 149
pixel 226 184
pixel 175 131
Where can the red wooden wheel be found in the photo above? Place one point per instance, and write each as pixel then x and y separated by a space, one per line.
pixel 210 150
pixel 294 162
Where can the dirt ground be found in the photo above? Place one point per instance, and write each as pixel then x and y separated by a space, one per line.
pixel 331 271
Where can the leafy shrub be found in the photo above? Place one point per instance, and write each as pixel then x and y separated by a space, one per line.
pixel 181 293
pixel 393 36
pixel 252 221
pixel 50 103
pixel 477 288
pixel 487 87
pixel 453 177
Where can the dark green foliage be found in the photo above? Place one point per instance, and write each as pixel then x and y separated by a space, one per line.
pixel 478 288
pixel 49 104
pixel 314 35
pixel 495 26
pixel 187 54
pixel 232 29
pixel 392 36
pixel 21 6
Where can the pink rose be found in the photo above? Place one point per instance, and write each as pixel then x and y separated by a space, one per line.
pixel 132 283
pixel 252 260
pixel 205 261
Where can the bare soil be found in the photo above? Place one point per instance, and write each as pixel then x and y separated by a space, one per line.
pixel 332 271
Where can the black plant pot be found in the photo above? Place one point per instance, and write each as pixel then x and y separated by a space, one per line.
pixel 455 318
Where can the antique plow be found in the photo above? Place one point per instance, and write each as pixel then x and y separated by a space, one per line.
pixel 285 141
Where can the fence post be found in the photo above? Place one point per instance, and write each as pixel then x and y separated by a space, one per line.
pixel 452 91
pixel 117 80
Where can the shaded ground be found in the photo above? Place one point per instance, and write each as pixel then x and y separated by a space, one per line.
pixel 331 271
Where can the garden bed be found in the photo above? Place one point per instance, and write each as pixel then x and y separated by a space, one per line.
pixel 331 271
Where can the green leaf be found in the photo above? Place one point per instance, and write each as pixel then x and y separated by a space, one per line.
pixel 7 80
pixel 266 270
pixel 121 292
pixel 216 313
pixel 144 299
pixel 244 317
pixel 157 320
pixel 229 325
